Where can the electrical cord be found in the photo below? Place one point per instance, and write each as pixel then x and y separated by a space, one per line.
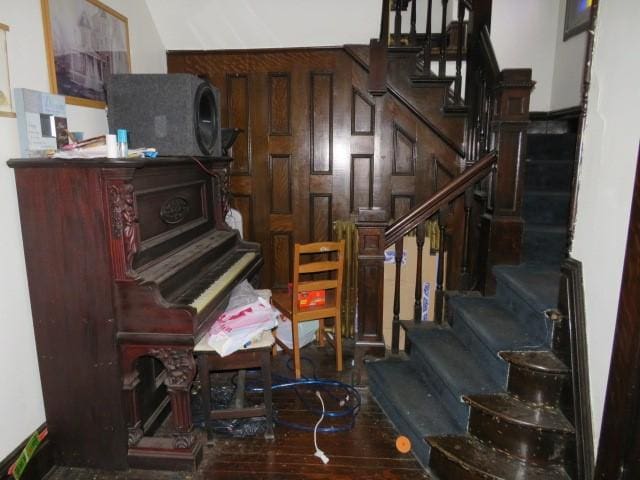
pixel 319 453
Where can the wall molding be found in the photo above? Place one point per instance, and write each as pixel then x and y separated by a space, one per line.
pixel 574 353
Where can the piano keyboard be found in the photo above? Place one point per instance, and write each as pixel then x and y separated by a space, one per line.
pixel 214 289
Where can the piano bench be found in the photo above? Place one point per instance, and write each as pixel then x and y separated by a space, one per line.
pixel 257 355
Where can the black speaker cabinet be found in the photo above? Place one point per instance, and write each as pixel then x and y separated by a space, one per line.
pixel 178 114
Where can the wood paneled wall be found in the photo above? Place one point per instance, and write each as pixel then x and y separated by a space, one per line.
pixel 315 147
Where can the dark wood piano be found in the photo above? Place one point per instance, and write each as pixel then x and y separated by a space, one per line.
pixel 129 263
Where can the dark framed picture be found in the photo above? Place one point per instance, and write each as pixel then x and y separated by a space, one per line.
pixel 86 41
pixel 576 17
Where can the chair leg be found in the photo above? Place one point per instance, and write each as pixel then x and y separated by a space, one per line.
pixel 338 341
pixel 296 347
pixel 320 335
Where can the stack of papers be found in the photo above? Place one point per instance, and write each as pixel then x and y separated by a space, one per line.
pixel 238 327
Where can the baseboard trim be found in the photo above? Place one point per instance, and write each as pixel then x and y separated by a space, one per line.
pixel 571 306
pixel 570 113
pixel 39 465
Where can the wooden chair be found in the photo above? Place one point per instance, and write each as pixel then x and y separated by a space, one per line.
pixel 321 271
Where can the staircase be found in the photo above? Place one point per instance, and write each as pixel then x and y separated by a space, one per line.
pixel 485 394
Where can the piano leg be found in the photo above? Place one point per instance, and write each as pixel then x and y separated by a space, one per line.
pixel 183 450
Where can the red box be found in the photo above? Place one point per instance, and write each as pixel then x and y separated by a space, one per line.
pixel 312 298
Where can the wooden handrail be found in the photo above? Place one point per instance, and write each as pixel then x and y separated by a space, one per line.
pixel 488 54
pixel 442 197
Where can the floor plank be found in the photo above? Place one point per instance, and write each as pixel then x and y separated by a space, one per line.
pixel 367 451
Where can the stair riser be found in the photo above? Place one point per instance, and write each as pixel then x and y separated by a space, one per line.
pixel 543 248
pixel 449 398
pixel 420 449
pixel 534 321
pixel 444 468
pixel 551 147
pixel 548 176
pixel 494 365
pixel 537 387
pixel 545 209
pixel 542 447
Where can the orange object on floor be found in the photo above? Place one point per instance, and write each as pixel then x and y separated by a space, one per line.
pixel 403 444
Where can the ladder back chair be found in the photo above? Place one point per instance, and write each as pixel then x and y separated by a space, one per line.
pixel 316 267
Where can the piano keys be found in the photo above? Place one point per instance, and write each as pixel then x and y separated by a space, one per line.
pixel 129 263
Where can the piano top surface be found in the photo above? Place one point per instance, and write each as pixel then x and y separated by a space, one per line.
pixel 136 162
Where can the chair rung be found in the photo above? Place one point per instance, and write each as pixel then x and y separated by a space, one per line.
pixel 318 247
pixel 318 267
pixel 317 285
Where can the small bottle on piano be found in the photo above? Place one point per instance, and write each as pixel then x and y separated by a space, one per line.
pixel 123 146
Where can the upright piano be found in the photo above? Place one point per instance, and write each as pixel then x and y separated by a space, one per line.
pixel 129 262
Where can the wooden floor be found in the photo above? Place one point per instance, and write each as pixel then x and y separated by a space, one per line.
pixel 365 452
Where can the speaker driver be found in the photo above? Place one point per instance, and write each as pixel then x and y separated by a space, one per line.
pixel 206 119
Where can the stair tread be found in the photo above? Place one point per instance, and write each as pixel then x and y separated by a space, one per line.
pixel 494 324
pixel 538 285
pixel 548 193
pixel 451 360
pixel 479 458
pixel 543 227
pixel 412 397
pixel 511 409
pixel 543 361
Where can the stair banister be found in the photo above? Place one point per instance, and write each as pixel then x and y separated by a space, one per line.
pixel 450 192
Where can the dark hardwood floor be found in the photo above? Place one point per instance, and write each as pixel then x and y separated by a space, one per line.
pixel 365 452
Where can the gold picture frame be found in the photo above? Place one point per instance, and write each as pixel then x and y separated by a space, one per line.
pixel 86 41
pixel 6 107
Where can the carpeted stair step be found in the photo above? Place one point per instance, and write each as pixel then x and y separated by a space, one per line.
pixel 448 367
pixel 466 458
pixel 532 433
pixel 538 377
pixel 528 291
pixel 551 175
pixel 545 207
pixel 544 244
pixel 486 328
pixel 409 403
pixel 549 146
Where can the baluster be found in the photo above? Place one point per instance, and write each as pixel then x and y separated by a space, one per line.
pixel 395 327
pixel 442 68
pixel 384 22
pixel 412 32
pixel 464 269
pixel 457 92
pixel 440 269
pixel 482 102
pixel 427 43
pixel 417 304
pixel 397 35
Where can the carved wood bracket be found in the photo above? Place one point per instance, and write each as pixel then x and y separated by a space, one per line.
pixel 179 364
pixel 123 219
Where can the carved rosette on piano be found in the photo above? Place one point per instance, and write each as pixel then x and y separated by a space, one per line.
pixel 129 263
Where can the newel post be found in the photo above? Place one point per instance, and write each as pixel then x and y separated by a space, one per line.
pixel 371 225
pixel 502 224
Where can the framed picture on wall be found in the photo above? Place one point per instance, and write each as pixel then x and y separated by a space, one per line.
pixel 576 17
pixel 86 42
pixel 6 109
